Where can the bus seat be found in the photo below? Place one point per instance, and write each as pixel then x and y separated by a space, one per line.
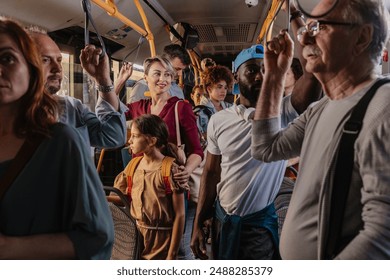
pixel 126 236
pixel 110 162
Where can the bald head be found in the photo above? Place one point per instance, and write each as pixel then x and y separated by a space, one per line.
pixel 51 58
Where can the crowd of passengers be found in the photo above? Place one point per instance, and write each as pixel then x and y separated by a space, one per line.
pixel 210 175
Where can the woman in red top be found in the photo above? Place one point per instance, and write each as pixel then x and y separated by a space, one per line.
pixel 158 75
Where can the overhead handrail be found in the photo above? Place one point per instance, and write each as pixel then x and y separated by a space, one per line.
pixel 169 27
pixel 150 36
pixel 110 7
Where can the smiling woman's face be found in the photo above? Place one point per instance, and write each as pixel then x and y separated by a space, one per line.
pixel 159 79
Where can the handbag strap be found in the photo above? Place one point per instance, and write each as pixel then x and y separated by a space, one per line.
pixel 22 157
pixel 343 172
pixel 178 137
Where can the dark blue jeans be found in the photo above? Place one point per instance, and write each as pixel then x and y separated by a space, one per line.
pixel 185 252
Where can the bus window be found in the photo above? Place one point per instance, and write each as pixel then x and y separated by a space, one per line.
pixel 68 75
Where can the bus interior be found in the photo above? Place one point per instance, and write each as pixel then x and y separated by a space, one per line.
pixel 133 30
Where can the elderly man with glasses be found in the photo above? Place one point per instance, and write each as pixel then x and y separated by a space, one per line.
pixel 342 49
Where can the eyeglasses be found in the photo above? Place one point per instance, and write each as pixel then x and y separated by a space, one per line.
pixel 314 27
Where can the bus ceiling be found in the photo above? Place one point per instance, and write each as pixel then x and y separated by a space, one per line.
pixel 224 28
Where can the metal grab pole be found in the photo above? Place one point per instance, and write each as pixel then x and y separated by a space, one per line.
pixel 110 7
pixel 113 11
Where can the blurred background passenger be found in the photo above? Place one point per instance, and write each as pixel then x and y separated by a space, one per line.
pixel 197 94
pixel 292 76
pixel 207 63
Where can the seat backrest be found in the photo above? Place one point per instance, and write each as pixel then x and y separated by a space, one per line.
pixel 126 235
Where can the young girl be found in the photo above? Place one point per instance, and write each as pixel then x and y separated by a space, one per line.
pixel 157 202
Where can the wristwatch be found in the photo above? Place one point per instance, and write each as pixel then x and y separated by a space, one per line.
pixel 105 89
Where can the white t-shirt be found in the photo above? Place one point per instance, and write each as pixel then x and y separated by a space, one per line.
pixel 247 185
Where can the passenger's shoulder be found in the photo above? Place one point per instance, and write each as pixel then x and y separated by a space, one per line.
pixel 64 133
pixel 317 105
pixel 227 104
pixel 383 92
pixel 140 103
pixel 378 106
pixel 68 98
pixel 72 102
pixel 183 103
pixel 228 111
pixel 225 113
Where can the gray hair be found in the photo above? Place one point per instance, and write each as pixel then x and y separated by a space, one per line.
pixel 161 59
pixel 34 29
pixel 375 13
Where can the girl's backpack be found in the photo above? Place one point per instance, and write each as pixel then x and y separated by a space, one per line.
pixel 165 170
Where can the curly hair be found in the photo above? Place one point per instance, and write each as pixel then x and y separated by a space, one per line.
pixel 218 73
pixel 38 110
pixel 199 87
pixel 207 63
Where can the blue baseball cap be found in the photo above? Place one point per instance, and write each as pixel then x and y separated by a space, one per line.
pixel 254 52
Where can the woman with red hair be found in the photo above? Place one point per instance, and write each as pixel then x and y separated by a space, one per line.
pixel 52 204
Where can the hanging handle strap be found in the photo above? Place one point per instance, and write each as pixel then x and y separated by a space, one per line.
pixel 343 172
pixel 86 4
pixel 141 40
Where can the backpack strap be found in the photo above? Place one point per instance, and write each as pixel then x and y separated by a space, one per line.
pixel 129 171
pixel 177 123
pixel 166 173
pixel 343 172
pixel 202 108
